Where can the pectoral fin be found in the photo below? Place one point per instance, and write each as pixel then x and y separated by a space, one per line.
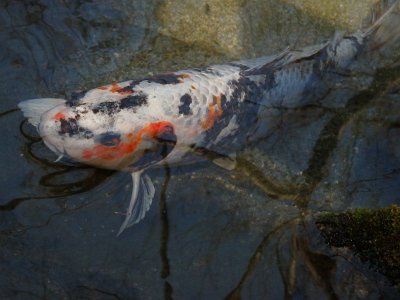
pixel 141 198
pixel 226 162
pixel 34 108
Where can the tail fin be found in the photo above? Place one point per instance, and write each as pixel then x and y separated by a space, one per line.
pixel 34 108
pixel 385 28
pixel 383 35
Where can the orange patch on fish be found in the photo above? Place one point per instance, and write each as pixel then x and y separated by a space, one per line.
pixel 125 92
pixel 115 88
pixel 193 87
pixel 127 147
pixel 183 76
pixel 214 112
pixel 58 116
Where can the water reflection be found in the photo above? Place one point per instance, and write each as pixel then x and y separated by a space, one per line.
pixel 64 182
pixel 165 271
pixel 256 258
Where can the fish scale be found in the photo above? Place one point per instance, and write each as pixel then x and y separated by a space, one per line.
pixel 213 112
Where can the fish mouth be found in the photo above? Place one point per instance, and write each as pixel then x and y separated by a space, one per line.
pixel 62 155
pixel 58 151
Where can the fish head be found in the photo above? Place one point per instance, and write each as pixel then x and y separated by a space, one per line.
pixel 103 135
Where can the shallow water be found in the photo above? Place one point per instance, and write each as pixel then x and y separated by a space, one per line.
pixel 210 233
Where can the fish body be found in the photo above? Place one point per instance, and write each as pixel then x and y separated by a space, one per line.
pixel 120 126
pixel 174 118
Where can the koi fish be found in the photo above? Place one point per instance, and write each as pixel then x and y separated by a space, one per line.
pixel 175 118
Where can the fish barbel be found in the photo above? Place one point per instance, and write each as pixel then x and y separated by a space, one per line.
pixel 173 118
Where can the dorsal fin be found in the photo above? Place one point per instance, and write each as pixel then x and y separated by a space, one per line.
pixel 284 58
pixel 281 59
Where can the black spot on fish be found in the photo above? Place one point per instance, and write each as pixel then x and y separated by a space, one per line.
pixel 108 139
pixel 72 128
pixel 224 103
pixel 130 87
pixel 75 98
pixel 83 109
pixel 165 78
pixel 184 107
pixel 242 105
pixel 113 107
pixel 107 107
pixel 133 101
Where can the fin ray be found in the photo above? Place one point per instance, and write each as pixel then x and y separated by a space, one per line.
pixel 141 198
pixel 33 109
pixel 385 28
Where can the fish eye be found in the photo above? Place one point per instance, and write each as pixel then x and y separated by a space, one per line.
pixel 109 139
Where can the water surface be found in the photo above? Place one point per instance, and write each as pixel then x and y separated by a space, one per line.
pixel 210 233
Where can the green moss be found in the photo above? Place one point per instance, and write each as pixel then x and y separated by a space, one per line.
pixel 373 234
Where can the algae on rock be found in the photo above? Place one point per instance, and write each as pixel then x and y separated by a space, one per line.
pixel 373 234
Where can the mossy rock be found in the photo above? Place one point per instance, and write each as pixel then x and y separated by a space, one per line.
pixel 373 234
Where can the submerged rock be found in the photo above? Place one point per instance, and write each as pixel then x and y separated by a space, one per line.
pixel 241 28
